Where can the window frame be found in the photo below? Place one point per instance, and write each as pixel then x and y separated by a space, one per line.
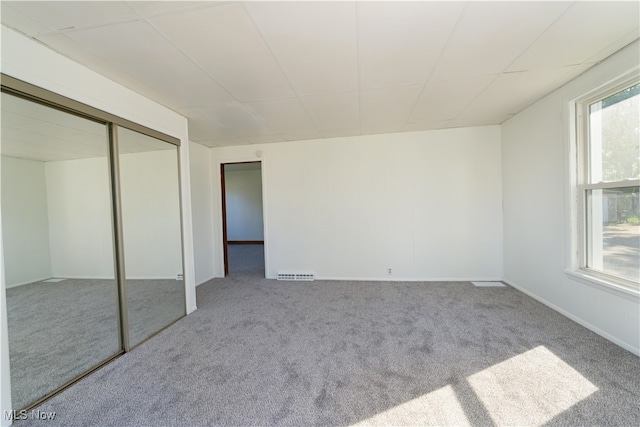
pixel 582 185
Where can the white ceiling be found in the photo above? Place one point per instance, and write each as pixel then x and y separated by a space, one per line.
pixel 260 72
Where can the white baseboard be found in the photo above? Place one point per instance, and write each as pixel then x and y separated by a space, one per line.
pixel 577 319
pixel 206 280
pixel 411 279
pixel 111 278
pixel 15 285
pixel 190 309
pixel 404 279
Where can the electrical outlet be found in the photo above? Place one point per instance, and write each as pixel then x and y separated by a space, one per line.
pixel 389 271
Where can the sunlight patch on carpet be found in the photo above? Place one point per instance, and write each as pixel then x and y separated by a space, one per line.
pixel 530 389
pixel 440 407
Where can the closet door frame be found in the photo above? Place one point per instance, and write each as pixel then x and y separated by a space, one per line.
pixel 30 92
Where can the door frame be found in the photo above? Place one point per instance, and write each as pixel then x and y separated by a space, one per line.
pixel 223 255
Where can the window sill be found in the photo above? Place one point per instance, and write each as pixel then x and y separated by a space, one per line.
pixel 605 284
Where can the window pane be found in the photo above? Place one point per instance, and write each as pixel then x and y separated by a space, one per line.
pixel 614 232
pixel 614 139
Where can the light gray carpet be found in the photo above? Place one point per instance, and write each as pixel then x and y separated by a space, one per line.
pixel 264 352
pixel 153 304
pixel 59 330
pixel 246 260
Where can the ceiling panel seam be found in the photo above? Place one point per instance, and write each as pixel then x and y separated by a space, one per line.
pixel 526 49
pixel 436 64
pixel 277 61
pixel 194 62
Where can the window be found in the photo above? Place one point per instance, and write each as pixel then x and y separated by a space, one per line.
pixel 608 183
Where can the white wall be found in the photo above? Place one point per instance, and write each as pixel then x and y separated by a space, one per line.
pixel 80 218
pixel 202 200
pixel 537 209
pixel 150 214
pixel 426 204
pixel 243 190
pixel 29 61
pixel 25 221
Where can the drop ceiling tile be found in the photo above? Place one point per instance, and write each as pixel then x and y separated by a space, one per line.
pixel 224 42
pixel 185 93
pixel 226 121
pixel 584 31
pixel 387 108
pixel 267 139
pixel 210 144
pixel 437 124
pixel 13 18
pixel 399 42
pixel 222 142
pixel 381 130
pixel 491 35
pixel 150 8
pixel 627 39
pixel 283 115
pixel 333 111
pixel 64 45
pixel 143 53
pixel 237 142
pixel 65 15
pixel 341 133
pixel 445 99
pixel 511 92
pixel 201 129
pixel 301 136
pixel 180 85
pixel 186 86
pixel 314 42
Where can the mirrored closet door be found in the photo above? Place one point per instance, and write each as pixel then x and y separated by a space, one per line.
pixel 91 235
pixel 151 225
pixel 62 297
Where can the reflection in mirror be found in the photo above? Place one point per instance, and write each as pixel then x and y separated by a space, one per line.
pixel 150 200
pixel 62 305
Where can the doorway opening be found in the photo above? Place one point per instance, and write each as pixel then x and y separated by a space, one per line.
pixel 242 218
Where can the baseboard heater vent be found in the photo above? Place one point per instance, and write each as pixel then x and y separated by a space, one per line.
pixel 293 276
